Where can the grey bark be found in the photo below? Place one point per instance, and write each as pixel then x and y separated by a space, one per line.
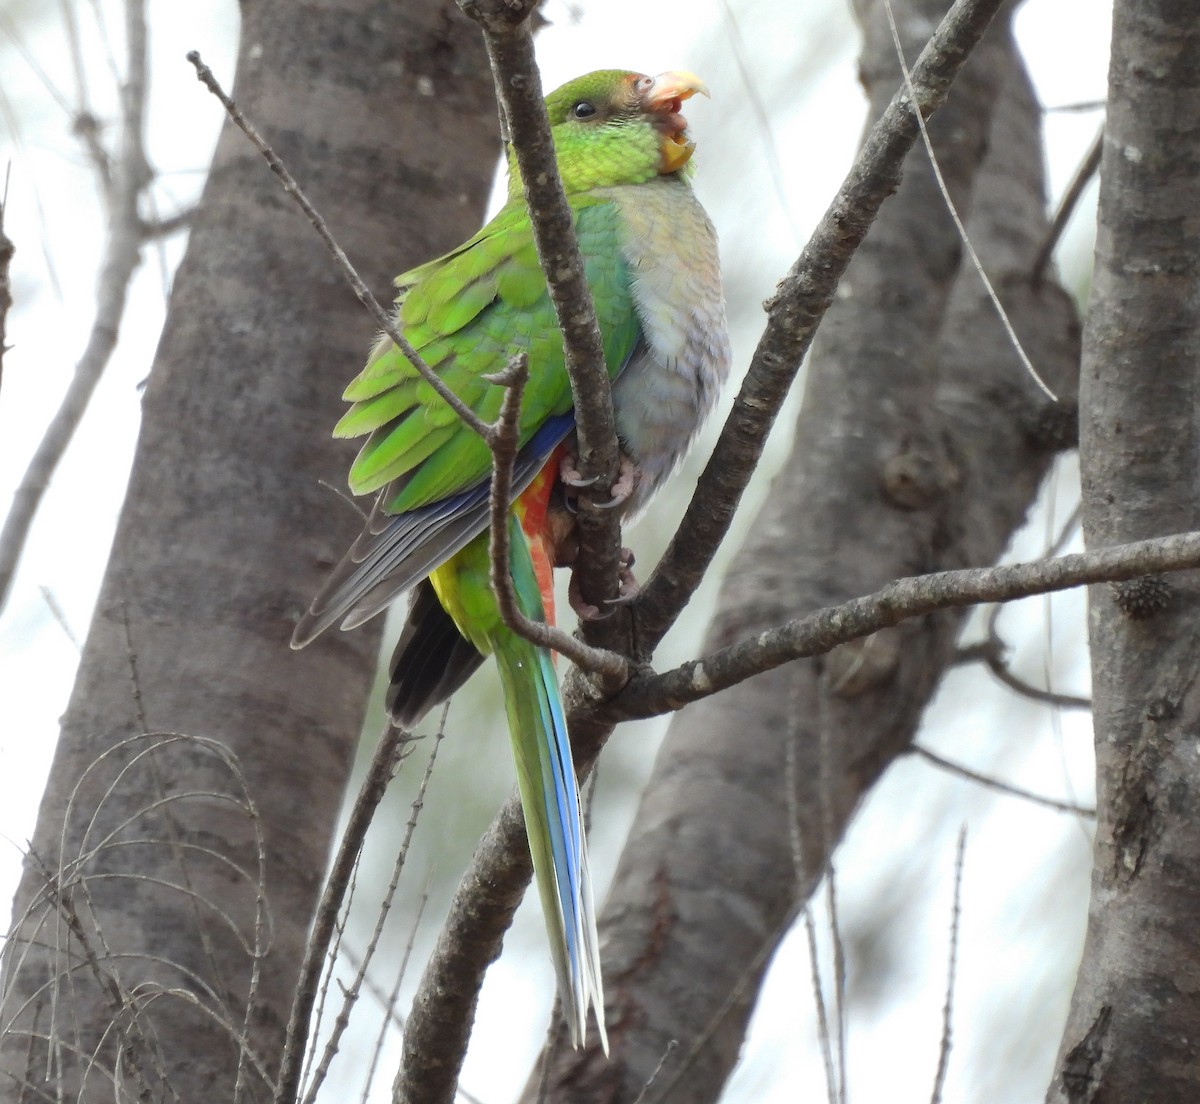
pixel 1134 1027
pixel 171 882
pixel 920 445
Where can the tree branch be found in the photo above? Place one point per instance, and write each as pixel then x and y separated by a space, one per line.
pixel 394 746
pixel 824 629
pixel 794 313
pixel 130 176
pixel 504 442
pixel 1002 787
pixel 6 255
pixel 505 28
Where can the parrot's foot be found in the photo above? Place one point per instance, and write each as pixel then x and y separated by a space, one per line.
pixel 627 589
pixel 627 479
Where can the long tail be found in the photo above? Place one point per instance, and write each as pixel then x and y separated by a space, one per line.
pixel 545 772
pixel 550 800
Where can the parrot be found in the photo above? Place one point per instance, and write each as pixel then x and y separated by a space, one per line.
pixel 650 260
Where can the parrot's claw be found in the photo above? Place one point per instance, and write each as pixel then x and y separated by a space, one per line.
pixel 627 590
pixel 627 479
pixel 585 611
pixel 569 473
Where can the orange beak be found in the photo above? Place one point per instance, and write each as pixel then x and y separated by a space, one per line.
pixel 664 99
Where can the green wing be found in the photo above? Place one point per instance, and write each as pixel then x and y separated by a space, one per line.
pixel 467 313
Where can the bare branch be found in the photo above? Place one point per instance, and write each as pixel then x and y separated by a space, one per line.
pixel 394 745
pixel 991 652
pixel 168 225
pixel 130 176
pixel 7 248
pixel 350 995
pixel 382 319
pixel 793 315
pixel 1088 168
pixel 443 1010
pixel 824 629
pixel 504 443
pixel 1002 787
pixel 943 1066
pixel 519 89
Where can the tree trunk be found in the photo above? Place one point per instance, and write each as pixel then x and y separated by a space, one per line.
pixel 920 445
pixel 1134 1028
pixel 171 881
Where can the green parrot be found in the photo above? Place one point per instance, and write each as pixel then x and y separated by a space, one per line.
pixel 650 258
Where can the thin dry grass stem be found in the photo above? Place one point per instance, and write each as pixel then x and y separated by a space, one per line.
pixel 796 840
pixel 81 946
pixel 1001 787
pixel 976 263
pixel 740 54
pixel 350 995
pixel 363 516
pixel 668 1050
pixel 134 1042
pixel 178 851
pixel 829 841
pixel 255 951
pixel 394 746
pixel 7 249
pixel 382 319
pixel 943 1066
pixel 141 996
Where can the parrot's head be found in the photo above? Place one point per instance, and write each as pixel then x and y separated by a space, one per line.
pixel 613 127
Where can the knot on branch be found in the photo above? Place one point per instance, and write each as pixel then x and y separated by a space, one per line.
pixel 498 16
pixel 916 478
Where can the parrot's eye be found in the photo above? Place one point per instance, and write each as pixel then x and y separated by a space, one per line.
pixel 584 110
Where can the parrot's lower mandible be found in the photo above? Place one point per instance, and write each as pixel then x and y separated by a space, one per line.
pixel 650 257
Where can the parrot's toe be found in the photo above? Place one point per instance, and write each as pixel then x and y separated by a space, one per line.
pixel 628 476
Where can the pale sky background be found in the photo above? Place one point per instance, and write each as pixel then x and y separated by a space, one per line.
pixel 1027 869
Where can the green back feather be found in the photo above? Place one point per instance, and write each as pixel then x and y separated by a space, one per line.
pixel 466 314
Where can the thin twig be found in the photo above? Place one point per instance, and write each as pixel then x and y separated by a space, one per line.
pixel 350 995
pixel 394 745
pixel 504 443
pixel 131 175
pixel 506 36
pixel 943 1065
pixel 952 209
pixel 388 1000
pixel 901 600
pixel 382 319
pixel 1002 787
pixel 1088 168
pixel 7 249
pixel 992 652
